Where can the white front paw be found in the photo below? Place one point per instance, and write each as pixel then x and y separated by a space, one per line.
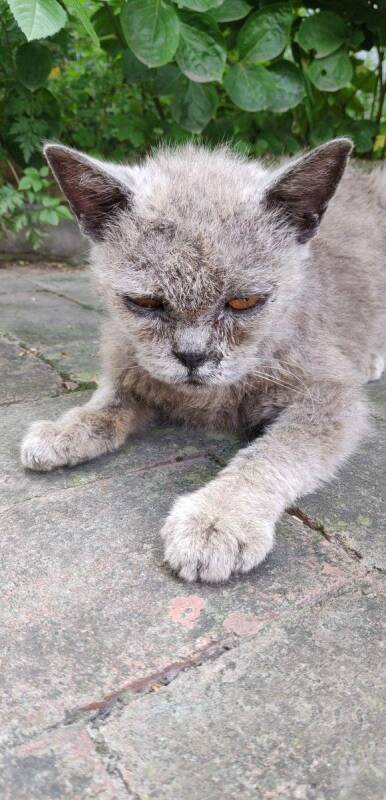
pixel 208 540
pixel 41 449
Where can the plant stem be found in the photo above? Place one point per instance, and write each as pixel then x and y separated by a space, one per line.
pixel 159 108
pixel 382 86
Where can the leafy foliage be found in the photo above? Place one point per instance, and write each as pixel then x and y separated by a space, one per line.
pixel 28 207
pixel 38 18
pixel 116 77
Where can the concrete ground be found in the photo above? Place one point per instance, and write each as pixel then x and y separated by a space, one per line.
pixel 119 681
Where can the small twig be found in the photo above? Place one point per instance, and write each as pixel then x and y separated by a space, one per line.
pixel 12 169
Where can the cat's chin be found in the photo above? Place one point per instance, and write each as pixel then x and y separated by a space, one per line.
pixel 191 383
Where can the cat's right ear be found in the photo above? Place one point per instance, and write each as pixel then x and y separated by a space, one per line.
pixel 93 191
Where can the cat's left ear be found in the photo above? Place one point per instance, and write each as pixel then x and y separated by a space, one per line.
pixel 300 194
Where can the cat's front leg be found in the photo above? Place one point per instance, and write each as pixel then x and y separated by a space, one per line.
pixel 99 427
pixel 228 526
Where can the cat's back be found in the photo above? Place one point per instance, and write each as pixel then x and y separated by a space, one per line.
pixel 354 225
pixel 349 263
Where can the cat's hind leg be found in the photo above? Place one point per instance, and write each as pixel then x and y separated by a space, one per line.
pixel 99 427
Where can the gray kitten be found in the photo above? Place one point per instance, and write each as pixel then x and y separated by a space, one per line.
pixel 229 308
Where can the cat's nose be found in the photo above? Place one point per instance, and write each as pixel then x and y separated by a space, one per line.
pixel 190 359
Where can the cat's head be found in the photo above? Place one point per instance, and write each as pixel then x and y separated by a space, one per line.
pixel 200 253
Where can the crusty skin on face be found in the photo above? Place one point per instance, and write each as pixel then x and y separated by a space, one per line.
pixel 184 233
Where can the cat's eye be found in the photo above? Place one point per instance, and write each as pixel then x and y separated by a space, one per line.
pixel 245 303
pixel 145 303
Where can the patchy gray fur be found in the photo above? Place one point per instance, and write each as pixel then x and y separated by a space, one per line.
pixel 195 228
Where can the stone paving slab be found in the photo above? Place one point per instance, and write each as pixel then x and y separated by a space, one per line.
pixel 297 713
pixel 72 284
pixel 353 507
pixel 377 394
pixel 92 621
pixel 157 446
pixel 23 376
pixel 88 607
pixel 62 763
pixel 77 287
pixel 62 331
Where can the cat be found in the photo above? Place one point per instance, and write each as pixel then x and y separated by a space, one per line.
pixel 238 301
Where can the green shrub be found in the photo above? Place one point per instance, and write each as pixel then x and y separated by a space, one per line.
pixel 28 206
pixel 117 77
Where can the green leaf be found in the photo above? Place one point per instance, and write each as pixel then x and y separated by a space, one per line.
pixel 168 81
pixel 151 29
pixel 362 131
pixel 199 56
pixel 50 202
pixel 331 73
pixel 322 131
pixel 364 79
pixel 289 86
pixel 49 216
pixel 64 212
pixel 83 17
pixel 231 10
pixel 265 34
pixel 33 64
pixel 249 86
pixel 105 23
pixel 324 33
pixel 194 106
pixel 38 18
pixel 133 70
pixel 199 5
pixel 130 128
pixel 25 183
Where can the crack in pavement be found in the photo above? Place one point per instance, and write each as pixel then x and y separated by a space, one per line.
pixel 110 760
pixel 165 462
pixel 313 524
pixel 333 537
pixel 95 713
pixel 34 352
pixel 138 687
pixel 44 289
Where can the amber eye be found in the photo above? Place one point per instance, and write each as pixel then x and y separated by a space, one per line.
pixel 151 303
pixel 244 303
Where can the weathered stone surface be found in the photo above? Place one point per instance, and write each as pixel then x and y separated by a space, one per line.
pixel 59 764
pixel 157 446
pixel 65 333
pixel 89 608
pixel 61 241
pixel 353 506
pixel 298 712
pixel 89 613
pixel 23 376
pixel 377 394
pixel 73 285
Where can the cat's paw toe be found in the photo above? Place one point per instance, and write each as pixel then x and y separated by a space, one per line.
pixel 39 448
pixel 209 543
